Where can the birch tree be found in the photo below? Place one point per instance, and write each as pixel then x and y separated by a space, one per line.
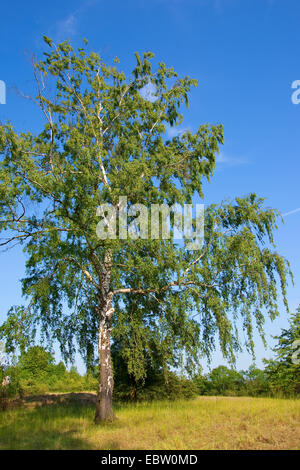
pixel 103 136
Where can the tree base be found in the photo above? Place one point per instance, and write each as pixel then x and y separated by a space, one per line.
pixel 104 412
pixel 104 419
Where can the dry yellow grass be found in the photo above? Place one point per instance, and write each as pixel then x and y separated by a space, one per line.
pixel 203 423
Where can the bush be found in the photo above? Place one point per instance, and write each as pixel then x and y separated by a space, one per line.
pixel 31 387
pixel 167 386
pixel 13 389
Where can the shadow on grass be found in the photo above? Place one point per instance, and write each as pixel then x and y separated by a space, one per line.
pixel 46 427
pixel 83 398
pixel 56 421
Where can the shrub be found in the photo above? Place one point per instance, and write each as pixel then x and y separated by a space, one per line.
pixel 168 386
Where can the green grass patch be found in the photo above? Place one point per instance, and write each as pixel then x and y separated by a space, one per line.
pixel 203 423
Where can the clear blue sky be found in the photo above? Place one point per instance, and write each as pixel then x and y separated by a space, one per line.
pixel 245 56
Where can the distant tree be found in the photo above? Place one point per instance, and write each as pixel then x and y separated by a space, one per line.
pixel 104 137
pixel 283 372
pixel 127 383
pixel 201 381
pixel 35 363
pixel 60 370
pixel 223 380
pixel 256 382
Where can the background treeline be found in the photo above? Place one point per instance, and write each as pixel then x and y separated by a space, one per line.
pixel 35 372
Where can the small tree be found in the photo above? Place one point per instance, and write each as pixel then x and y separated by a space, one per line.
pixel 283 372
pixel 103 137
pixel 224 381
pixel 256 382
pixel 35 363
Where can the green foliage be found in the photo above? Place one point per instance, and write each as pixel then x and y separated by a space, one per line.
pixel 201 381
pixel 35 363
pixel 160 386
pixel 224 381
pixel 18 330
pixel 36 373
pixel 283 372
pixel 10 388
pixel 13 389
pixel 167 386
pixel 158 383
pixel 256 382
pixel 229 382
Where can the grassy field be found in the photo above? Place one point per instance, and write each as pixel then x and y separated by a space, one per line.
pixel 203 423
